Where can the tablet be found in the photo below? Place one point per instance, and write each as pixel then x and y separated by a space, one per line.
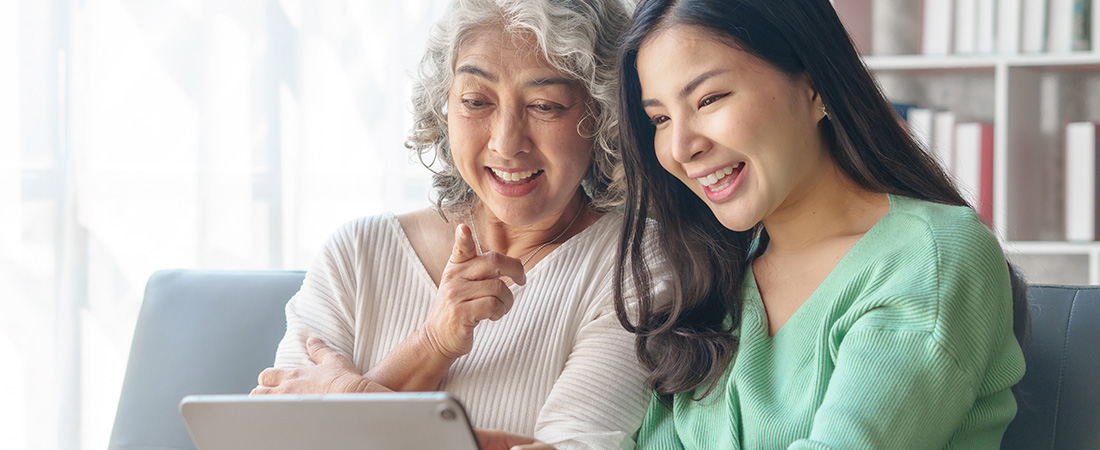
pixel 396 421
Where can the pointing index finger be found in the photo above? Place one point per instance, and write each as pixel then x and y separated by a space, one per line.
pixel 464 249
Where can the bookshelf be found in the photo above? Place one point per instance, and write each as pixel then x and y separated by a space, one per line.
pixel 1027 97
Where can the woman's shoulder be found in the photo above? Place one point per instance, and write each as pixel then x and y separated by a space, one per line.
pixel 927 258
pixel 598 237
pixel 365 228
pixel 946 232
pixel 356 241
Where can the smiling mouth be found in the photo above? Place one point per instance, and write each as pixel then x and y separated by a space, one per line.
pixel 515 178
pixel 717 180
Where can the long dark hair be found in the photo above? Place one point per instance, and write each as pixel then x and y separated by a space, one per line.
pixel 690 341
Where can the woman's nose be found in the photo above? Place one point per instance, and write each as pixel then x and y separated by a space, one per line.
pixel 687 142
pixel 508 134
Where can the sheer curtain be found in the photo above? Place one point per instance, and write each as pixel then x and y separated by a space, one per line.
pixel 138 135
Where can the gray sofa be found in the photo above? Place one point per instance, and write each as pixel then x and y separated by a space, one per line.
pixel 209 332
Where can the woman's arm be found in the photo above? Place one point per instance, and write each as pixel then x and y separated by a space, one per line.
pixel 600 397
pixel 471 290
pixel 321 310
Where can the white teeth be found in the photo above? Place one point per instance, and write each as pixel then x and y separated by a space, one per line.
pixel 513 176
pixel 717 175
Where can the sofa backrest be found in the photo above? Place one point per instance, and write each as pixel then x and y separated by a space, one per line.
pixel 198 332
pixel 1059 397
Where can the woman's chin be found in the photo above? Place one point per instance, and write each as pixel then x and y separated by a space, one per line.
pixel 736 221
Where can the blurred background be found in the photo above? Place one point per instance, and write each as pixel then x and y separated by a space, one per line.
pixel 138 135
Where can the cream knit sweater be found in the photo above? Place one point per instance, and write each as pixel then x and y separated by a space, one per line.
pixel 558 366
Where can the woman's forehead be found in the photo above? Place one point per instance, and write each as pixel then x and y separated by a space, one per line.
pixel 496 51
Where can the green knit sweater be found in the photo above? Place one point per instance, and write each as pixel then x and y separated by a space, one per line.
pixel 907 344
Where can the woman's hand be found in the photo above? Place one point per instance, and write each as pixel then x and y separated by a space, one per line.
pixel 332 373
pixel 471 289
pixel 500 440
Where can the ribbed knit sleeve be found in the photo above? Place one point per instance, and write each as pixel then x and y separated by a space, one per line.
pixel 324 306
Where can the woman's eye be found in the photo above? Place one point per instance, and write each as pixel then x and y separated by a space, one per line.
pixel 547 107
pixel 711 99
pixel 474 104
pixel 657 120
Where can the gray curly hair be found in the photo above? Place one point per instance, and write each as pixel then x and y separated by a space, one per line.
pixel 577 37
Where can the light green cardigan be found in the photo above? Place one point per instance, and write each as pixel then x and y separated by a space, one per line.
pixel 907 344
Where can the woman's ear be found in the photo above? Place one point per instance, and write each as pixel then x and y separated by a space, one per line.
pixel 818 109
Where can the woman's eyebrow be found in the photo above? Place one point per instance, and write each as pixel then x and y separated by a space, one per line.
pixel 690 86
pixel 548 81
pixel 476 71
pixel 695 82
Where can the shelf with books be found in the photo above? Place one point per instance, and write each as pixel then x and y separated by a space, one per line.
pixel 978 28
pixel 1038 103
pixel 1028 97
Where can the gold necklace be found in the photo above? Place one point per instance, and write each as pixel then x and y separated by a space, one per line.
pixel 477 242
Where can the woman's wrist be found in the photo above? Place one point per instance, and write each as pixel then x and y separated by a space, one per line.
pixel 364 385
pixel 431 348
pixel 414 365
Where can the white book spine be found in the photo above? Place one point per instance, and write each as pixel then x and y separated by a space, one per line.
pixel 1033 37
pixel 986 40
pixel 1008 26
pixel 1060 27
pixel 1081 192
pixel 966 22
pixel 936 27
pixel 967 165
pixel 1095 21
pixel 920 127
pixel 943 138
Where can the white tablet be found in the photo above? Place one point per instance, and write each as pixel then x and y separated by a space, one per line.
pixel 396 421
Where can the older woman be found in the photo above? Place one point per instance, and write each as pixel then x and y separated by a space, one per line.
pixel 516 101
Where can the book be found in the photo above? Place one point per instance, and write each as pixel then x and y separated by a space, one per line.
pixel 920 127
pixel 943 138
pixel 1060 26
pixel 973 166
pixel 1008 26
pixel 856 17
pixel 936 23
pixel 903 110
pixel 1034 26
pixel 966 22
pixel 895 30
pixel 985 40
pixel 1082 23
pixel 1094 24
pixel 1081 189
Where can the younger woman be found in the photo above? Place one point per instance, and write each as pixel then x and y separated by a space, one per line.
pixel 836 290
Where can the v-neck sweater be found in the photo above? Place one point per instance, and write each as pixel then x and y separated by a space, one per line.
pixel 558 366
pixel 907 343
